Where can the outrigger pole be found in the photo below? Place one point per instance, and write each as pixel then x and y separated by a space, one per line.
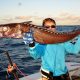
pixel 11 63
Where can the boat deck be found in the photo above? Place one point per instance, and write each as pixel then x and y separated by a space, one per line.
pixel 74 71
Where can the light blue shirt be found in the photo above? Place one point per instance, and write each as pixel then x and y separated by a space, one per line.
pixel 53 55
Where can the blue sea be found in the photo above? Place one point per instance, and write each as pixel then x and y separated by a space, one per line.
pixel 18 52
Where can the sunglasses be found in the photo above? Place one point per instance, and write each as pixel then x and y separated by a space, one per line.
pixel 52 26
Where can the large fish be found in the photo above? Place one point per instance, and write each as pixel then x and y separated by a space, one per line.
pixel 40 34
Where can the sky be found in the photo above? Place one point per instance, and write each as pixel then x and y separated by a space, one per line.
pixel 64 12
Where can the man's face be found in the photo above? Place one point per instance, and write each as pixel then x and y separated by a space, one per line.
pixel 50 26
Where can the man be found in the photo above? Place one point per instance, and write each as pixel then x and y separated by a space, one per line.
pixel 52 55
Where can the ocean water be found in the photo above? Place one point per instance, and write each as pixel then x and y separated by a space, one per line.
pixel 19 54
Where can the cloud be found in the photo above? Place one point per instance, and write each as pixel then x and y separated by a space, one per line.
pixel 4 20
pixel 35 19
pixel 28 17
pixel 22 17
pixel 61 19
pixel 66 18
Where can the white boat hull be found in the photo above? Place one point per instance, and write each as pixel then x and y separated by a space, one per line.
pixel 74 69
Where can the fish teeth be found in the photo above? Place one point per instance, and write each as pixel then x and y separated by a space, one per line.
pixel 35 26
pixel 51 32
pixel 45 30
pixel 5 28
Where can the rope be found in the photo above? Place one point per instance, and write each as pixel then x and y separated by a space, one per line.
pixel 24 75
pixel 21 72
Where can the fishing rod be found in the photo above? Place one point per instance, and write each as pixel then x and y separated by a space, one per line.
pixel 11 63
